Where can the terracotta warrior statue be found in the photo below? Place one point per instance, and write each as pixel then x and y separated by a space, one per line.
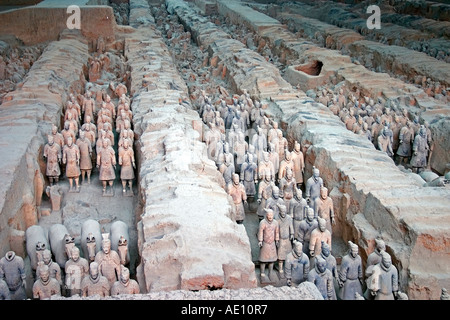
pixel 274 201
pixel 76 269
pixel 420 150
pixel 330 264
pixel 296 267
pixel 106 162
pixel 406 136
pixel 325 209
pixel 286 236
pixel 12 270
pixel 53 267
pixel 350 274
pixel 95 283
pixel 299 164
pixel 71 158
pixel 85 147
pixel 305 229
pixel 45 286
pixel 108 261
pixel 287 187
pixel 384 279
pixel 268 240
pixel 265 164
pixel 312 190
pixel 249 176
pixel 127 163
pixel 264 193
pixel 52 153
pixel 322 278
pixel 297 210
pixel 125 285
pixel 319 235
pixel 237 191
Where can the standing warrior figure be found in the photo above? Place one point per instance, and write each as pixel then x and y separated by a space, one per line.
pixel 85 146
pixel 249 176
pixel 299 164
pixel 325 210
pixel 108 261
pixel 106 162
pixel 297 209
pixel 126 161
pixel 312 191
pixel 420 150
pixel 322 278
pixel 350 274
pixel 237 191
pixel 297 265
pixel 71 158
pixel 384 282
pixel 286 236
pixel 52 152
pixel 268 238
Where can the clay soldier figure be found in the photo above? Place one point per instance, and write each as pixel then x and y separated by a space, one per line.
pixel 322 278
pixel 287 187
pixel 350 274
pixel 53 267
pixel 73 124
pixel 305 229
pixel 259 141
pixel 297 210
pixel 237 191
pixel 85 146
pixel 57 137
pixel 265 164
pixel 286 236
pixel 373 259
pixel 125 285
pixel 240 149
pixel 325 210
pixel 264 193
pixel 296 267
pixel 126 161
pixel 106 162
pixel 282 145
pixel 45 286
pixel 384 142
pixel 212 136
pixel 312 190
pixel 52 152
pixel 88 107
pixel 108 262
pixel 318 236
pixel 95 283
pixel 420 150
pixel 76 269
pixel 330 265
pixel 275 200
pixel 405 139
pixel 110 106
pixel 12 270
pixel 385 284
pixel 274 158
pixel 71 158
pixel 268 238
pixel 227 168
pixel 249 176
pixel 299 164
pixel 67 132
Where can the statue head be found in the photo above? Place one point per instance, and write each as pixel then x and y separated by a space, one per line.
pixel 386 260
pixel 106 245
pixel 54 129
pixel 322 224
pixel 44 273
pixel 93 270
pixel 287 156
pixel 323 193
pixel 275 192
pixel 320 265
pixel 50 140
pixel 353 249
pixel 309 214
pixel 235 179
pixel 269 215
pixel 75 253
pixel 275 125
pixel 298 193
pixel 46 256
pixel 316 173
pixel 297 247
pixel 297 146
pixel 267 175
pixel 266 156
pixel 380 245
pixel 281 210
pixel 124 274
pixel 326 250
pixel 69 141
pixel 249 158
